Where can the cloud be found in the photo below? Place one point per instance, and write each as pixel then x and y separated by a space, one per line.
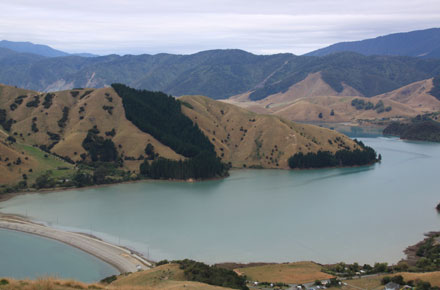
pixel 135 26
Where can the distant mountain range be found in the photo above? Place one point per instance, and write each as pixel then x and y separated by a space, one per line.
pixel 220 74
pixel 420 43
pixel 38 49
pixel 216 73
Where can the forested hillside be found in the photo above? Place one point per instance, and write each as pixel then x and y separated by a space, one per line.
pixel 420 43
pixel 369 75
pixel 160 115
pixel 417 129
pixel 216 73
pixel 38 49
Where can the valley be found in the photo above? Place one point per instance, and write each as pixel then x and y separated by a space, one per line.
pixel 313 100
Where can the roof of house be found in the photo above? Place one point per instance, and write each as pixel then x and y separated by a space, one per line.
pixel 392 285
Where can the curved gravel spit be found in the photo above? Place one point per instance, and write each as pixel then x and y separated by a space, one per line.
pixel 122 259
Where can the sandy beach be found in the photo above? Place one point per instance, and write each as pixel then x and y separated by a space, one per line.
pixel 121 258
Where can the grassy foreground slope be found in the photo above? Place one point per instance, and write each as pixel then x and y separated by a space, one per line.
pixel 165 277
pixel 289 273
pixel 168 276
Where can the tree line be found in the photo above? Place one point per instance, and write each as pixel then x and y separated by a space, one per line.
pixel 343 157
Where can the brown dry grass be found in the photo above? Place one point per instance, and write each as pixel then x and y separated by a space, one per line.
pixel 291 273
pixel 368 283
pixel 416 95
pixel 431 277
pixel 374 282
pixel 130 141
pixel 9 154
pixel 241 137
pixel 164 277
pixel 152 277
pixel 48 283
pixel 247 138
pixel 306 99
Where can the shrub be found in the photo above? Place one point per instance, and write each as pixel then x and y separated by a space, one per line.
pixel 109 279
pixel 44 181
pixel 99 149
pixel 34 103
pixel 4 282
pixel 74 93
pixel 200 272
pixel 47 103
pixel 63 120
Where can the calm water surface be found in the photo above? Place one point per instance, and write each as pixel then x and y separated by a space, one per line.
pixel 28 256
pixel 365 214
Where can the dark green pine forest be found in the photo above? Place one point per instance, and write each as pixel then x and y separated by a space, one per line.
pixel 160 115
pixel 364 156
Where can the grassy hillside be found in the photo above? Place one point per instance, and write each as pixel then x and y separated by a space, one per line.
pixel 420 96
pixel 313 100
pixel 38 124
pixel 247 139
pixel 289 273
pixel 93 136
pixel 168 276
pixel 165 277
pixel 45 126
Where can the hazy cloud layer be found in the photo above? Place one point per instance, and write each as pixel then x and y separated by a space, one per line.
pixel 135 26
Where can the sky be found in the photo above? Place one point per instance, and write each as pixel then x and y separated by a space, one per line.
pixel 188 26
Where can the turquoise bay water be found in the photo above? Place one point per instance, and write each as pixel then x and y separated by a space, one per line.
pixel 364 214
pixel 29 256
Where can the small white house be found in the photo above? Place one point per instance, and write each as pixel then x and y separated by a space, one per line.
pixel 392 286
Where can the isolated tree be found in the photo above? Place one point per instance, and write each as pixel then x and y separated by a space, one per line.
pixel 149 150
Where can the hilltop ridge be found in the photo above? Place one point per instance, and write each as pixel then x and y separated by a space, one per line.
pixel 419 43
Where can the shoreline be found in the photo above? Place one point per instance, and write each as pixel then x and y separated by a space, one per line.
pixel 124 259
pixel 7 196
pixel 121 258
